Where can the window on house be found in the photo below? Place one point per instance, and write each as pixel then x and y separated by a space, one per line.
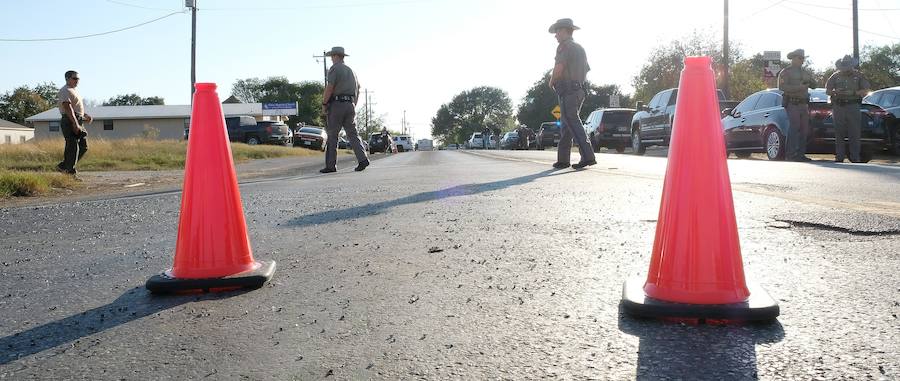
pixel 54 126
pixel 107 125
pixel 7 139
pixel 21 139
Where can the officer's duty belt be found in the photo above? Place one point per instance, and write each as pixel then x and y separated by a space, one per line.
pixel 342 98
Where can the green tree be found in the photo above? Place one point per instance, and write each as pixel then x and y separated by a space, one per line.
pixel 471 111
pixel 307 94
pixel 24 101
pixel 663 68
pixel 541 99
pixel 375 123
pixel 881 65
pixel 133 100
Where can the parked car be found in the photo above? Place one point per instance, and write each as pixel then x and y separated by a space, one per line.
pixel 760 124
pixel 475 141
pixel 889 100
pixel 451 146
pixel 548 135
pixel 378 144
pixel 278 132
pixel 310 137
pixel 510 140
pixel 404 143
pixel 343 143
pixel 651 124
pixel 246 129
pixel 610 128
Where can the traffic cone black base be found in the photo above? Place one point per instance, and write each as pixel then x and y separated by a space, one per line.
pixel 256 278
pixel 759 307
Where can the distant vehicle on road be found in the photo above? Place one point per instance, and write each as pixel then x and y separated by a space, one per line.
pixel 310 137
pixel 425 145
pixel 548 135
pixel 404 143
pixel 760 124
pixel 610 128
pixel 278 132
pixel 377 143
pixel 475 141
pixel 510 140
pixel 651 124
pixel 889 100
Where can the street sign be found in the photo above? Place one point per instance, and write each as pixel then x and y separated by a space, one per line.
pixel 771 70
pixel 772 55
pixel 556 112
pixel 280 108
pixel 614 100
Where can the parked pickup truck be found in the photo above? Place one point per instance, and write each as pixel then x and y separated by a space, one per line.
pixel 652 123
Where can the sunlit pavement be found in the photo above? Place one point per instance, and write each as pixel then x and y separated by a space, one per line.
pixel 470 265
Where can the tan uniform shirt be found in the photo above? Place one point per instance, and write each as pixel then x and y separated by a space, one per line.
pixel 795 81
pixel 344 80
pixel 846 85
pixel 572 55
pixel 69 94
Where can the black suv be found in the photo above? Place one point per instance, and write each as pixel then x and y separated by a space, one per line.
pixel 548 135
pixel 247 130
pixel 652 123
pixel 379 144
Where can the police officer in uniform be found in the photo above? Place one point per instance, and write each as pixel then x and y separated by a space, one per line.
pixel 339 107
pixel 567 79
pixel 794 82
pixel 847 87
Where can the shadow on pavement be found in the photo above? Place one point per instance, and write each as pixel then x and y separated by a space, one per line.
pixel 672 350
pixel 132 305
pixel 455 191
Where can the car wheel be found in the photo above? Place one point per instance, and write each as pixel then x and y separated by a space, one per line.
pixel 743 154
pixel 253 140
pixel 774 144
pixel 865 156
pixel 400 149
pixel 620 148
pixel 594 143
pixel 895 139
pixel 637 147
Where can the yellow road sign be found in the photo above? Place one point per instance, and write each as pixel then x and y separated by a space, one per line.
pixel 556 112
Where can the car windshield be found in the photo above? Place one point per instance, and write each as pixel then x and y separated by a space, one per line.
pixel 818 96
pixel 549 126
pixel 616 118
pixel 311 130
pixel 512 134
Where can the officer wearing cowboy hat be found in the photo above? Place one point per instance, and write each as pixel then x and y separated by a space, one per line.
pixel 567 79
pixel 339 107
pixel 794 81
pixel 847 87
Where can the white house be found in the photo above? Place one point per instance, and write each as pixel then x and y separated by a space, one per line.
pixel 12 133
pixel 121 122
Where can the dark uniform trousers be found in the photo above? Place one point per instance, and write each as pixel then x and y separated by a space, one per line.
pixel 342 115
pixel 76 145
pixel 847 123
pixel 798 114
pixel 570 100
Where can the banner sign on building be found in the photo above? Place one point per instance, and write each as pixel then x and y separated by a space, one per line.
pixel 280 108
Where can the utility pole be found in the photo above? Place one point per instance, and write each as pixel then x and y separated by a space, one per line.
pixel 404 123
pixel 367 114
pixel 856 31
pixel 324 58
pixel 725 78
pixel 193 5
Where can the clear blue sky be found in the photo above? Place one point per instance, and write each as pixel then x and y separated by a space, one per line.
pixel 413 54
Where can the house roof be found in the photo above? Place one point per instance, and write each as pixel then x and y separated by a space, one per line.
pixel 148 112
pixel 7 125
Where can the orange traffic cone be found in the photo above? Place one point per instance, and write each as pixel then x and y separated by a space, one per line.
pixel 696 269
pixel 213 248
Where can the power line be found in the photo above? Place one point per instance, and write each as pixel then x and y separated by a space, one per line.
pixel 839 24
pixel 763 9
pixel 357 5
pixel 88 35
pixel 137 6
pixel 841 8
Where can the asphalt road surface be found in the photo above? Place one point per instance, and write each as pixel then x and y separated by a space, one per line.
pixel 463 265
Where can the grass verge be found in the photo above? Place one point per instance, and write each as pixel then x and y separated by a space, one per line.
pixel 30 169
pixel 125 155
pixel 19 183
